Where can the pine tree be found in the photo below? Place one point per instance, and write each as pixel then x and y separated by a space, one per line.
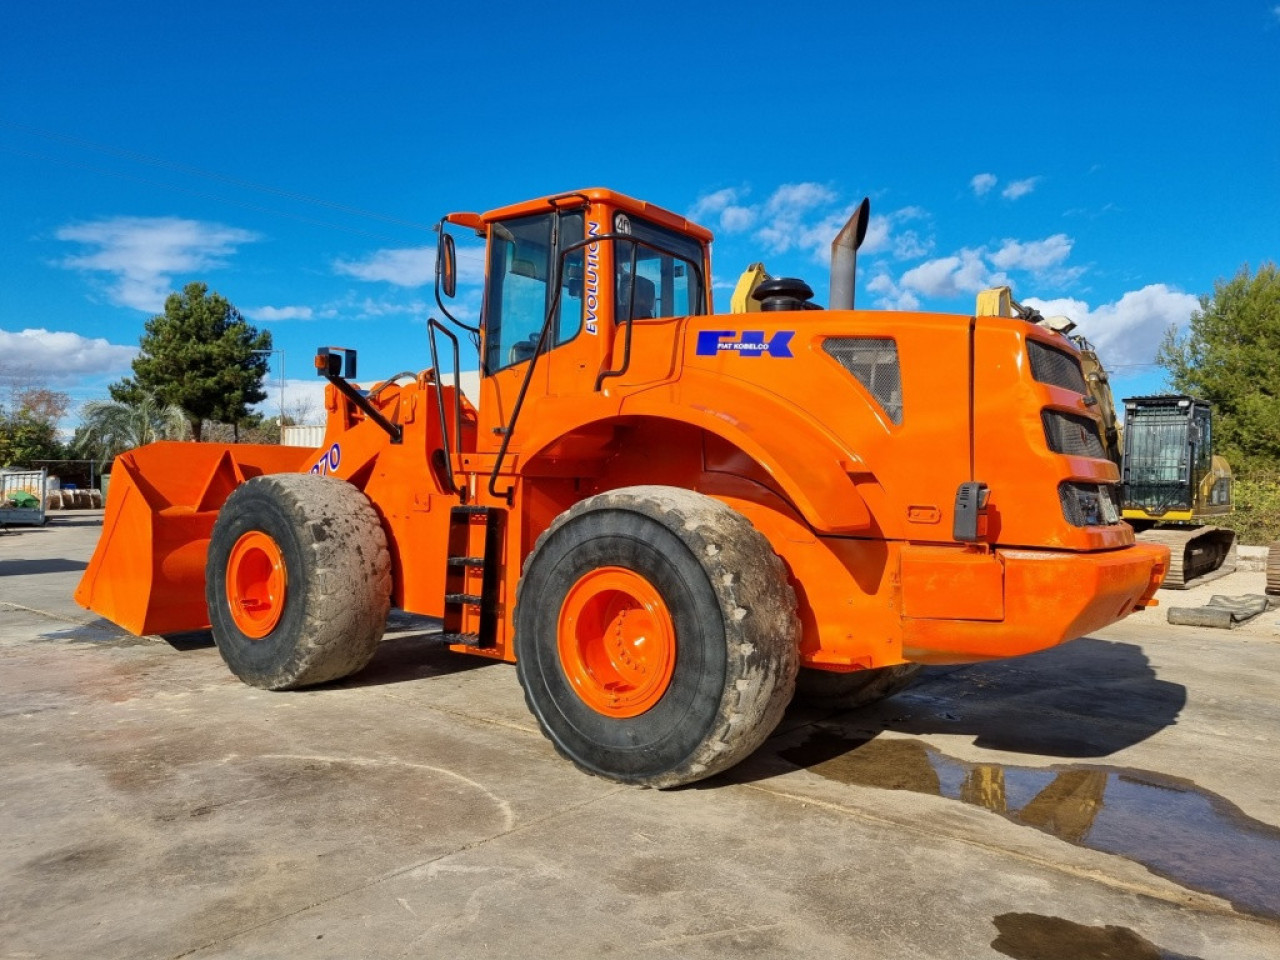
pixel 200 355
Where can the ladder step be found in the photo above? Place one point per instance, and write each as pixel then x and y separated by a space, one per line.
pixel 466 561
pixel 468 509
pixel 462 639
pixel 473 598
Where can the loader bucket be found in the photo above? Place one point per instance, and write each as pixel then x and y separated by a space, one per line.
pixel 147 573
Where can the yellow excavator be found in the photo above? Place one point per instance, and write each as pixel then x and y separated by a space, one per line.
pixel 1173 484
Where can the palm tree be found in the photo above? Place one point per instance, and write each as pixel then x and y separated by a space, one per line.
pixel 108 428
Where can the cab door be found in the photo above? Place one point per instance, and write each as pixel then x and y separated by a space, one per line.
pixel 521 290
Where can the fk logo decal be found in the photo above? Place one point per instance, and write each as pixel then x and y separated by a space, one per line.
pixel 748 343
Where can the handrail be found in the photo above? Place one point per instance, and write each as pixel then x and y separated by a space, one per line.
pixel 432 326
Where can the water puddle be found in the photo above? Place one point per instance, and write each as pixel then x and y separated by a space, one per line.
pixel 1172 827
pixel 1029 936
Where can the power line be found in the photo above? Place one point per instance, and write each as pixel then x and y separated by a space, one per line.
pixel 212 175
pixel 204 196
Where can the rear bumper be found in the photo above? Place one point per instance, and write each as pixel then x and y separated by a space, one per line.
pixel 1044 598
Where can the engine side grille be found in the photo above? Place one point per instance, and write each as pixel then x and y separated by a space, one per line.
pixel 873 361
pixel 1089 504
pixel 1055 367
pixel 1072 434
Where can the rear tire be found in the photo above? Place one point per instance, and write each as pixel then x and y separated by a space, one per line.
pixel 847 691
pixel 298 581
pixel 656 636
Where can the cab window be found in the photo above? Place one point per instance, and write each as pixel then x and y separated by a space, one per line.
pixel 667 268
pixel 521 267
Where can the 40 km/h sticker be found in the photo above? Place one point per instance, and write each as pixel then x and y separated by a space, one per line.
pixel 329 462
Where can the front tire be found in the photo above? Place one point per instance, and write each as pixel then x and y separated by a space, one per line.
pixel 298 580
pixel 656 636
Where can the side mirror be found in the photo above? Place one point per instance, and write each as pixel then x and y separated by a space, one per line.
pixel 447 265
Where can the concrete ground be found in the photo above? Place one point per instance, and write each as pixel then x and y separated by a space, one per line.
pixel 1114 797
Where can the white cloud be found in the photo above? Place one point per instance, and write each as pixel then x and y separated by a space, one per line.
pixel 1128 330
pixel 712 204
pixel 982 183
pixel 60 356
pixel 796 198
pixel 303 399
pixel 1036 256
pixel 1019 188
pixel 787 225
pixel 411 266
pixel 726 208
pixel 737 219
pixel 877 238
pixel 144 253
pixel 909 245
pixel 884 234
pixel 404 267
pixel 964 272
pixel 270 314
pixel 889 296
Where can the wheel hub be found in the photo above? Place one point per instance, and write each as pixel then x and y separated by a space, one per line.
pixel 616 642
pixel 256 584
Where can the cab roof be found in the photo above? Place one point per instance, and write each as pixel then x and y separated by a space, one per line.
pixel 619 201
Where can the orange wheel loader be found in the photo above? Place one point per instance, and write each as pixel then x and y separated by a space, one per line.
pixel 668 520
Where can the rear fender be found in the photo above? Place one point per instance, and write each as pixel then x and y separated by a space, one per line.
pixel 809 466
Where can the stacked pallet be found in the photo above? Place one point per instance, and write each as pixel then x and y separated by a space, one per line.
pixel 1273 569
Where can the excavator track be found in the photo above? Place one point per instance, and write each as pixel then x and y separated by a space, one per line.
pixel 1196 554
pixel 1273 569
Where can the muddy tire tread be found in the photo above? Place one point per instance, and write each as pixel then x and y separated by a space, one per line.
pixel 763 641
pixel 348 593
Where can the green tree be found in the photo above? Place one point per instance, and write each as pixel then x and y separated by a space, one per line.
pixel 1229 356
pixel 25 438
pixel 108 428
pixel 202 356
pixel 29 432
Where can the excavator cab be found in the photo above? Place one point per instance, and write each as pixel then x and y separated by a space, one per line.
pixel 1170 472
pixel 1173 483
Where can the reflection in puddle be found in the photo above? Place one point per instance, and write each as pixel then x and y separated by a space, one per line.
pixel 1029 936
pixel 1173 827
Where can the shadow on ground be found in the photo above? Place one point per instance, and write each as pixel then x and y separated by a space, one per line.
pixel 24 568
pixel 1086 699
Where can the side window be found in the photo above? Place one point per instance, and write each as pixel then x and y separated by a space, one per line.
pixel 569 320
pixel 520 272
pixel 666 281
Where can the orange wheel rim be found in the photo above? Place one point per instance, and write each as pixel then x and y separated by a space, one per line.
pixel 616 641
pixel 256 584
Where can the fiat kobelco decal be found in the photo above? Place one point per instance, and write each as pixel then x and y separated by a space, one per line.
pixel 747 343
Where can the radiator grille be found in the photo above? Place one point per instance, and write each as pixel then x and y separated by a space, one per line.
pixel 873 361
pixel 1055 367
pixel 1089 504
pixel 1072 434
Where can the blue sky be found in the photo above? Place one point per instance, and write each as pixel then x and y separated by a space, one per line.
pixel 1110 160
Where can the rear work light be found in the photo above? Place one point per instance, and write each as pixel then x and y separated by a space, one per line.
pixel 1089 504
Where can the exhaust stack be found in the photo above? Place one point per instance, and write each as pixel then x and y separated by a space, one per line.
pixel 844 257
